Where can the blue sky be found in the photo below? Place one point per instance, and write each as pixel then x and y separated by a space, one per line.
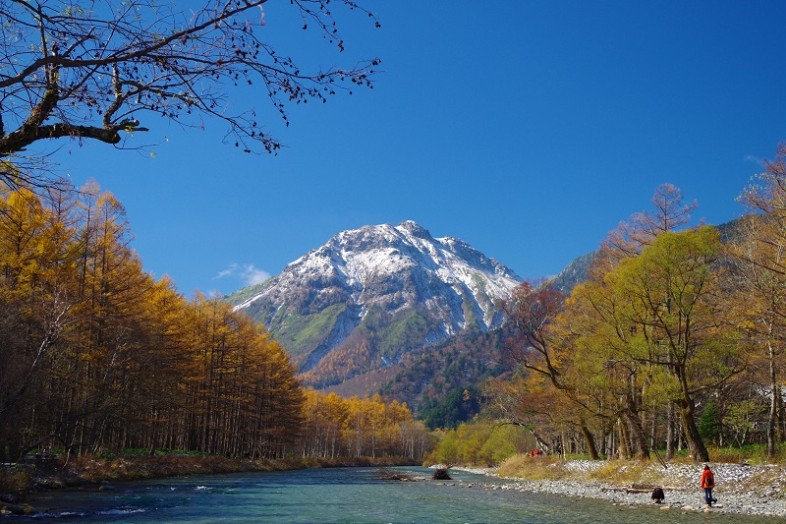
pixel 527 128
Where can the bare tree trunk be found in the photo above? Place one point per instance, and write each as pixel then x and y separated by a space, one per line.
pixel 696 445
pixel 653 436
pixel 772 420
pixel 638 435
pixel 589 440
pixel 624 442
pixel 671 436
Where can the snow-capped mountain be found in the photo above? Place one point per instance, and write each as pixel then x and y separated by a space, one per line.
pixel 372 294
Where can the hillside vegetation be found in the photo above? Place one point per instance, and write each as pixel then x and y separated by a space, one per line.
pixel 673 344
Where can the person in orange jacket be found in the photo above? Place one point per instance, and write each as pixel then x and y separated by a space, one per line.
pixel 708 484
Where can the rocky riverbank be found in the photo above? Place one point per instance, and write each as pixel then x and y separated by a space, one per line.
pixel 741 488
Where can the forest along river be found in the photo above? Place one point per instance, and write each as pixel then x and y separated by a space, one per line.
pixel 346 495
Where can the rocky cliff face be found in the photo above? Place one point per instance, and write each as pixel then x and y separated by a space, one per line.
pixel 370 295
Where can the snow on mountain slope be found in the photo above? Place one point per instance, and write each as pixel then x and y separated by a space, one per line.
pixel 371 294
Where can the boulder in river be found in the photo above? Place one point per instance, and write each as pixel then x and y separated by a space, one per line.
pixel 441 474
pixel 390 474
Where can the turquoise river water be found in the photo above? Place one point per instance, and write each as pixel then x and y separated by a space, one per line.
pixel 341 495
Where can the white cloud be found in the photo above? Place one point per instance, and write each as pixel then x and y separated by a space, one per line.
pixel 755 160
pixel 248 273
pixel 227 272
pixel 252 275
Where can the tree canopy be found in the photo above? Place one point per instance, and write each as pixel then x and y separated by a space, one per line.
pixel 638 353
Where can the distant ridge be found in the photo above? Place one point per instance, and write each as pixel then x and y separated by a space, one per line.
pixel 576 272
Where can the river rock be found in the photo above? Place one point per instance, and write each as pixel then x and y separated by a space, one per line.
pixel 19 509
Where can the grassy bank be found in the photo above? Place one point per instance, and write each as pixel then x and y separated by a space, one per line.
pixel 615 472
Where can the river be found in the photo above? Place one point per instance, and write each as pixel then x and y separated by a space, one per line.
pixel 340 495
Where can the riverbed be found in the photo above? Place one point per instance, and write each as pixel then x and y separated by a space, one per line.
pixel 342 495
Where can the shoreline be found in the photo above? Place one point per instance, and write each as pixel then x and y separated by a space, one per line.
pixel 21 480
pixel 756 490
pixel 741 489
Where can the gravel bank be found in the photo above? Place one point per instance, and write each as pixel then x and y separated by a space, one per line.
pixel 741 489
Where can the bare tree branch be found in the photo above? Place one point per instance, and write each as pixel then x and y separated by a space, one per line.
pixel 96 70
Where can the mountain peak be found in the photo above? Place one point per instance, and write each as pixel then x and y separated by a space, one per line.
pixel 414 229
pixel 373 294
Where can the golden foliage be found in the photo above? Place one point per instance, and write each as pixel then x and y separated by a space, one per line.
pixel 117 359
pixel 354 427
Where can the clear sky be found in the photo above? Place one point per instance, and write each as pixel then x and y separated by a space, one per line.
pixel 527 128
